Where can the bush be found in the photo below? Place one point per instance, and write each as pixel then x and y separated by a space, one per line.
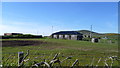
pixel 86 39
pixel 22 36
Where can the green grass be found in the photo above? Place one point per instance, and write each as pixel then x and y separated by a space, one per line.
pixel 82 50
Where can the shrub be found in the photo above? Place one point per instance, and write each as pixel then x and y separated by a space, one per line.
pixel 86 39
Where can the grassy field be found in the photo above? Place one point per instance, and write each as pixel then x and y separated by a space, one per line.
pixel 86 52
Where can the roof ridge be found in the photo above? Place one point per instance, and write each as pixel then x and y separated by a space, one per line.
pixel 68 32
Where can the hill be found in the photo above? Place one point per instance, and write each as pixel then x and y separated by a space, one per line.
pixel 95 34
pixel 87 32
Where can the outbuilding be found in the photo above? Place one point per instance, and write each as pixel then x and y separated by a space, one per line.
pixel 71 35
pixel 8 34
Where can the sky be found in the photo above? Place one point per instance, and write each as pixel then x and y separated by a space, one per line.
pixel 60 0
pixel 45 18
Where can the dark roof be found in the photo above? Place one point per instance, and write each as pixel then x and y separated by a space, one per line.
pixel 67 33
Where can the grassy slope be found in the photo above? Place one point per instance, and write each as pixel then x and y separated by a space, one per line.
pixel 111 36
pixel 82 50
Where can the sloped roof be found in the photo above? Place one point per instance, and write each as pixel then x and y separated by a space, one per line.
pixel 67 33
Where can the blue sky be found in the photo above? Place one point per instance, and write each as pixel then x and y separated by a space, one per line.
pixel 39 17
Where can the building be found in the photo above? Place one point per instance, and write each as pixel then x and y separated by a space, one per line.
pixel 95 40
pixel 20 35
pixel 71 35
pixel 8 34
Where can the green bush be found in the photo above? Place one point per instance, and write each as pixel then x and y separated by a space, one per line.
pixel 8 36
pixel 22 36
pixel 86 39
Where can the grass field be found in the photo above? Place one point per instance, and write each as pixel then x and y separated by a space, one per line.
pixel 86 52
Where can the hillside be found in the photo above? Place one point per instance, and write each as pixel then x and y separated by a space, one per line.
pixel 94 34
pixel 87 32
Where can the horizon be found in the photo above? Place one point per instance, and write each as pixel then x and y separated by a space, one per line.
pixel 60 31
pixel 45 18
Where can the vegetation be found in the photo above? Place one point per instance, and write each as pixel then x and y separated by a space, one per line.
pixel 100 35
pixel 87 32
pixel 86 39
pixel 84 51
pixel 21 36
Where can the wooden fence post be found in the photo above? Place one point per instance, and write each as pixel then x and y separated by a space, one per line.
pixel 76 61
pixel 20 58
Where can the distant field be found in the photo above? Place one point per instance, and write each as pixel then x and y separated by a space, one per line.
pixel 41 49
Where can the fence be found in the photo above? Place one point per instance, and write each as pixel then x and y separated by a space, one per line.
pixel 57 61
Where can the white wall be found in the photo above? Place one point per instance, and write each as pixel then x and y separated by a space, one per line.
pixel 55 36
pixel 74 37
pixel 60 36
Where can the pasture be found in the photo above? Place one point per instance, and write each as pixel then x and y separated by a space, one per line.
pixel 86 52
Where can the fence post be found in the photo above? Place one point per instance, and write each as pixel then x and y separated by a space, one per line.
pixel 20 58
pixel 76 61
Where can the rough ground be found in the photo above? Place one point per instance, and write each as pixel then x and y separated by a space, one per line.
pixel 9 43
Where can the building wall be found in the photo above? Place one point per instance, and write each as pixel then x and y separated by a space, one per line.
pixel 73 37
pixel 69 37
pixel 61 37
pixel 55 36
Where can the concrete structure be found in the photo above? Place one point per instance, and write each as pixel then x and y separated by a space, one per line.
pixel 71 35
pixel 74 37
pixel 67 37
pixel 94 40
pixel 55 36
pixel 60 36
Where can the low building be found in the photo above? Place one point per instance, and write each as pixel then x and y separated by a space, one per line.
pixel 95 40
pixel 8 34
pixel 71 35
